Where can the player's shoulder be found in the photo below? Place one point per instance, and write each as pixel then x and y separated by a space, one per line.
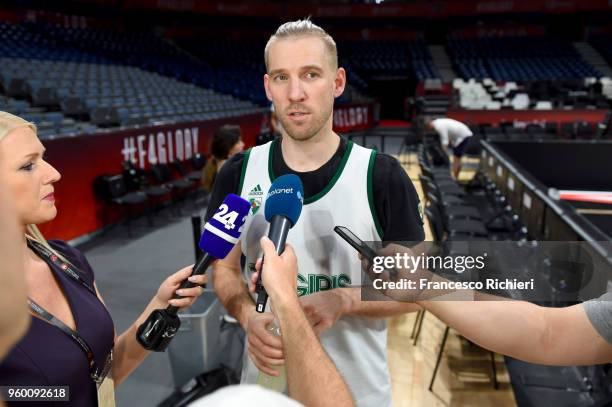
pixel 387 163
pixel 389 174
pixel 233 164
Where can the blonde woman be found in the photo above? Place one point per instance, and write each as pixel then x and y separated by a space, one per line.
pixel 71 340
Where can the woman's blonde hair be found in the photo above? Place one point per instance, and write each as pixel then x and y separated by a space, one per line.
pixel 8 123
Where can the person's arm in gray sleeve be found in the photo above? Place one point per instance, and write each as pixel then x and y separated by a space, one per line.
pixel 599 312
pixel 525 331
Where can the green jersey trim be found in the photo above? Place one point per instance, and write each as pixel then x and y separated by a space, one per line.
pixel 371 193
pixel 329 186
pixel 245 163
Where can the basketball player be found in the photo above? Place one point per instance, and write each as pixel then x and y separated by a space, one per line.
pixel 344 184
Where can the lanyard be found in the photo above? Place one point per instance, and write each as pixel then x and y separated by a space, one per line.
pixel 65 267
pixel 96 373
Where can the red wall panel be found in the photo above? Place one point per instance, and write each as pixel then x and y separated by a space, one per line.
pixel 496 116
pixel 83 158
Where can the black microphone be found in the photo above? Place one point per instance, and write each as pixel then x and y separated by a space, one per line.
pixel 279 229
pixel 282 209
pixel 221 233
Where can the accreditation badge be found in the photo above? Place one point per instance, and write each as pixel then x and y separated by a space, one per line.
pixel 106 392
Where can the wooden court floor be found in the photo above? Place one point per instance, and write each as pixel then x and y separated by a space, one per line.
pixel 465 374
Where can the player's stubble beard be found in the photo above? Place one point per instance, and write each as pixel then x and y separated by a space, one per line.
pixel 319 119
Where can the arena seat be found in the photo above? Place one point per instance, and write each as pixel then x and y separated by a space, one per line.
pixel 539 95
pixel 99 75
pixel 517 59
pixel 543 105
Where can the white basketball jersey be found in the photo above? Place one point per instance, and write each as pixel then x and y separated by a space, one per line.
pixel 357 346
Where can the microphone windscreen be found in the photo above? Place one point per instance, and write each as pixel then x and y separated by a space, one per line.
pixel 223 229
pixel 285 198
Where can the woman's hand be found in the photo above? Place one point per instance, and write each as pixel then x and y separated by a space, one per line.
pixel 171 284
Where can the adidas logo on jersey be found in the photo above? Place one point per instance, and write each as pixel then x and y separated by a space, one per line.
pixel 256 190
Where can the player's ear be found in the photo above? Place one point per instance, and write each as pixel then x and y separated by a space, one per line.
pixel 339 82
pixel 266 79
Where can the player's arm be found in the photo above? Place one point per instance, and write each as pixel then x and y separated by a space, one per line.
pixel 231 288
pixel 264 348
pixel 227 279
pixel 355 306
pixel 396 205
pixel 325 308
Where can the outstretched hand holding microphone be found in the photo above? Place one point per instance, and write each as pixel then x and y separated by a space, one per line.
pixel 220 235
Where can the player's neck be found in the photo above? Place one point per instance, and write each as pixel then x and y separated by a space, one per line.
pixel 309 155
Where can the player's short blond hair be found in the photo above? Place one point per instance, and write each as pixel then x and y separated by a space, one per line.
pixel 303 28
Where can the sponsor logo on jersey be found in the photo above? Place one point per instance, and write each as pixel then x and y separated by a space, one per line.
pixel 255 198
pixel 313 283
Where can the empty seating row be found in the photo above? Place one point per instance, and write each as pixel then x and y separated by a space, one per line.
pixel 525 58
pixel 551 130
pixel 80 76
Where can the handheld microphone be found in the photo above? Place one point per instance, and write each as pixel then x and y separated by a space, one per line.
pixel 220 235
pixel 283 207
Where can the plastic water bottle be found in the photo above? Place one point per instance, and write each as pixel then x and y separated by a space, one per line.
pixel 278 384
